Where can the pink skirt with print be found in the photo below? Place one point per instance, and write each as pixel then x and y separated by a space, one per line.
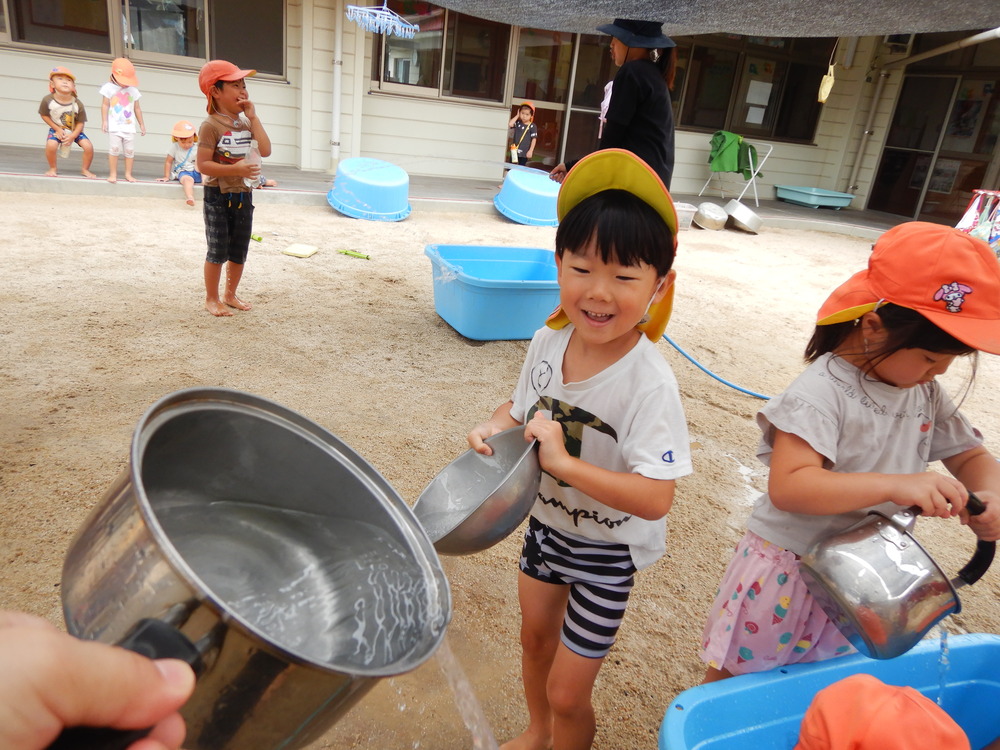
pixel 764 616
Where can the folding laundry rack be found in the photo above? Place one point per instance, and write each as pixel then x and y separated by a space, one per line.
pixel 762 150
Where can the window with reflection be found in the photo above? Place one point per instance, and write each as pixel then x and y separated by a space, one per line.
pixel 61 23
pixel 543 59
pixel 167 27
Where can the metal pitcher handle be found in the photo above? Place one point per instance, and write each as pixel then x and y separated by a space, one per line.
pixel 983 556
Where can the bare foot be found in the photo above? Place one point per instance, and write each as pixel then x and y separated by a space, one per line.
pixel 528 741
pixel 190 201
pixel 217 309
pixel 51 173
pixel 88 174
pixel 129 178
pixel 233 301
pixel 112 178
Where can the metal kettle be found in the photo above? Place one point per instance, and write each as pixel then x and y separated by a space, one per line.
pixel 880 587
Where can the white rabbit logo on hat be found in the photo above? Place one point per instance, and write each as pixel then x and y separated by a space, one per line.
pixel 953 295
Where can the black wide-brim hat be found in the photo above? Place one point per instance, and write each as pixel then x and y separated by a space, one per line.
pixel 645 34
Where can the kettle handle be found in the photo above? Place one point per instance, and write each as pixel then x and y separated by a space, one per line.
pixel 983 556
pixel 156 640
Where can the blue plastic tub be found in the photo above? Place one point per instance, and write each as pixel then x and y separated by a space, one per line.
pixel 489 293
pixel 764 711
pixel 370 189
pixel 528 196
pixel 813 197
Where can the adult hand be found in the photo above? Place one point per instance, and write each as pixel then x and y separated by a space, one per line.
pixel 50 680
pixel 558 173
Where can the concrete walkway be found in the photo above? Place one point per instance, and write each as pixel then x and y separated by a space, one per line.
pixel 23 169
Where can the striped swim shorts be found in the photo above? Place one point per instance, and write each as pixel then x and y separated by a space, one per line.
pixel 600 576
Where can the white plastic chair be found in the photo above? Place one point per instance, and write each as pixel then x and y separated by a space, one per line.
pixel 763 151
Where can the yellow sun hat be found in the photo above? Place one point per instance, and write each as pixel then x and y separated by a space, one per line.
pixel 618 169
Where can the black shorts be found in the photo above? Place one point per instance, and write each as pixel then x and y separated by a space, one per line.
pixel 228 225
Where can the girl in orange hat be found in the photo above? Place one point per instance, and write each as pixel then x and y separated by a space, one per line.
pixel 181 161
pixel 855 433
pixel 120 112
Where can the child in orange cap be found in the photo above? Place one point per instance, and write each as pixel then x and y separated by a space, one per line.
pixel 120 111
pixel 855 432
pixel 65 115
pixel 225 139
pixel 181 161
pixel 605 408
pixel 523 133
pixel 861 712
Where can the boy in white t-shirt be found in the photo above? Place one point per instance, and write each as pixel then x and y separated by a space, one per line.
pixel 120 111
pixel 605 408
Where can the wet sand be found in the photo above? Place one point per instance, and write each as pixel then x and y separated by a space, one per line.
pixel 101 314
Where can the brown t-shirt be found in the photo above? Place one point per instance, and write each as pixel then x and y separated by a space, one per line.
pixel 229 144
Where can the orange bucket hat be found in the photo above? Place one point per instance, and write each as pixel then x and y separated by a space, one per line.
pixel 219 70
pixel 949 277
pixel 861 712
pixel 123 72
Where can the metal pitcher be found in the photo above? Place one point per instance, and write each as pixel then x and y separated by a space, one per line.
pixel 289 563
pixel 880 587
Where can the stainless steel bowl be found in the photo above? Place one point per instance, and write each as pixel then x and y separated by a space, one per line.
pixel 477 500
pixel 710 216
pixel 743 217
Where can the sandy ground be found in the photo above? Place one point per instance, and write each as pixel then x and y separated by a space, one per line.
pixel 101 315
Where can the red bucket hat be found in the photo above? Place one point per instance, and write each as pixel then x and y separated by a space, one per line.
pixel 947 276
pixel 219 70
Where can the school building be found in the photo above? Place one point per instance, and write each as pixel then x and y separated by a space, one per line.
pixel 910 127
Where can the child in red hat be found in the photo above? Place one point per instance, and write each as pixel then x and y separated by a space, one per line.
pixel 855 432
pixel 231 132
pixel 65 115
pixel 120 112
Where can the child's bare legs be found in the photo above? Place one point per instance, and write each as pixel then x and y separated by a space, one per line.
pixel 234 272
pixel 112 167
pixel 542 608
pixel 50 156
pixel 570 687
pixel 213 273
pixel 128 169
pixel 88 158
pixel 714 675
pixel 187 182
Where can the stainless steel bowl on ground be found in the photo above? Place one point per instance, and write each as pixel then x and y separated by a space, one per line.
pixel 710 216
pixel 743 217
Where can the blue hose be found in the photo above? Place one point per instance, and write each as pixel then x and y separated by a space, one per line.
pixel 704 369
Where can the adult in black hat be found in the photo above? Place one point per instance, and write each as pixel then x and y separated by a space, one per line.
pixel 639 115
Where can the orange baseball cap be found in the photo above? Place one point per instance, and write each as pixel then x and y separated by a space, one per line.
pixel 183 129
pixel 949 277
pixel 61 71
pixel 123 72
pixel 861 712
pixel 219 70
pixel 529 105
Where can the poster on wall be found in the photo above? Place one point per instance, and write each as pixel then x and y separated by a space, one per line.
pixel 943 176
